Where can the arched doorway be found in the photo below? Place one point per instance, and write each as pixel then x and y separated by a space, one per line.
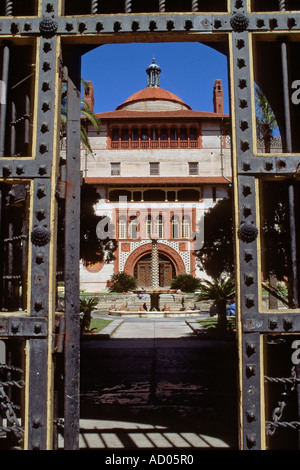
pixel 142 271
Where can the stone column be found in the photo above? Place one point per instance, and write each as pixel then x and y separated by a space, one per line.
pixel 154 262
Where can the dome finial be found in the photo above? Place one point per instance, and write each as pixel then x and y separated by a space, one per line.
pixel 153 72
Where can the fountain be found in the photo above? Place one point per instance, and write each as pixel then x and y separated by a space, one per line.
pixel 154 293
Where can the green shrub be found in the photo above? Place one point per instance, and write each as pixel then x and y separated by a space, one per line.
pixel 122 282
pixel 86 308
pixel 185 282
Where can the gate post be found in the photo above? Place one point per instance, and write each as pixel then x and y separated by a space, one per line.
pixel 72 249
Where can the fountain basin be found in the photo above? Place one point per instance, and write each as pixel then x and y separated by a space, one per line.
pixel 154 314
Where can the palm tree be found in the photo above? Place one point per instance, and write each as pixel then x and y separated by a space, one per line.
pixel 266 123
pixel 86 111
pixel 219 290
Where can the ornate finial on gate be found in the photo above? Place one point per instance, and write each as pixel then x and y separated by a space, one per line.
pixel 40 236
pixel 248 232
pixel 239 22
pixel 48 25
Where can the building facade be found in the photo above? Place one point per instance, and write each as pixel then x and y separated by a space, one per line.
pixel 158 166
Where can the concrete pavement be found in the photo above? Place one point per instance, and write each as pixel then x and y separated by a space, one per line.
pixel 152 384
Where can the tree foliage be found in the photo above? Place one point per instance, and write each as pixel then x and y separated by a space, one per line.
pixel 86 112
pixel 122 282
pixel 217 256
pixel 219 291
pixel 266 123
pixel 185 282
pixel 92 248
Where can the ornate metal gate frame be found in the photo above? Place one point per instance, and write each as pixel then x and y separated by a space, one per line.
pixel 41 46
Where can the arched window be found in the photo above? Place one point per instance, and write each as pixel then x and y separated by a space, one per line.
pixel 135 134
pixel 173 137
pixel 148 227
pixel 160 226
pixel 144 134
pixel 164 133
pixel 125 138
pixel 115 138
pixel 125 135
pixel 154 134
pixel 122 227
pixel 193 136
pixel 133 227
pixel 183 137
pixel 186 227
pixel 175 227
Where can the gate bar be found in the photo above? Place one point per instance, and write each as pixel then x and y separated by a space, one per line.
pixel 72 252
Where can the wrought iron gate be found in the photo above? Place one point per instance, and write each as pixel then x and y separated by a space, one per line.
pixel 41 45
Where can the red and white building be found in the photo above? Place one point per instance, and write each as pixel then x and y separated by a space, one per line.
pixel 158 165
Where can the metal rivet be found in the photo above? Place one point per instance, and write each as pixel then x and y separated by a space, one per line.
pixel 15 327
pixel 27 27
pixel 42 170
pixel 268 166
pixel 246 190
pixel 287 324
pixel 40 215
pixel 45 106
pixel 246 166
pixel 273 23
pixel 249 279
pixel 135 26
pixel 46 66
pixel 69 26
pixel 38 305
pixel 291 22
pixel 273 324
pixel 6 171
pixel 188 25
pixel 244 125
pixel 247 211
pixel 251 440
pixel 14 28
pixel 240 43
pixel 250 415
pixel 241 63
pixel 117 26
pixel 249 302
pixel 37 328
pixel 41 192
pixel 251 348
pixel 39 259
pixel 260 23
pixel 170 25
pixel 20 169
pixel 250 370
pixel 81 27
pixel 43 148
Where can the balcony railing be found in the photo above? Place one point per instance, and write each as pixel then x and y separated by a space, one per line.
pixel 154 144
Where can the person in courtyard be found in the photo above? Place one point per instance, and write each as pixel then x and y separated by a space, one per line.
pixel 230 309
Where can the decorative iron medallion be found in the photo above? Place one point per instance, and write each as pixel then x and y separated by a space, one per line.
pixel 239 22
pixel 248 232
pixel 40 236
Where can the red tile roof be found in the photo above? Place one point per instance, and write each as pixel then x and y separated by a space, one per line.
pixel 152 94
pixel 182 114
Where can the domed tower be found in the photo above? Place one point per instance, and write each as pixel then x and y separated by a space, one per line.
pixel 153 72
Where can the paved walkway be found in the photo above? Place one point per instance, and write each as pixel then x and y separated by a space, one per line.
pixel 154 385
pixel 152 328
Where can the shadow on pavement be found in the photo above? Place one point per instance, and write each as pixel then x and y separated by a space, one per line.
pixel 149 394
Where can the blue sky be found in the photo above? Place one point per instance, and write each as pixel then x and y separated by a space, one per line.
pixel 188 70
